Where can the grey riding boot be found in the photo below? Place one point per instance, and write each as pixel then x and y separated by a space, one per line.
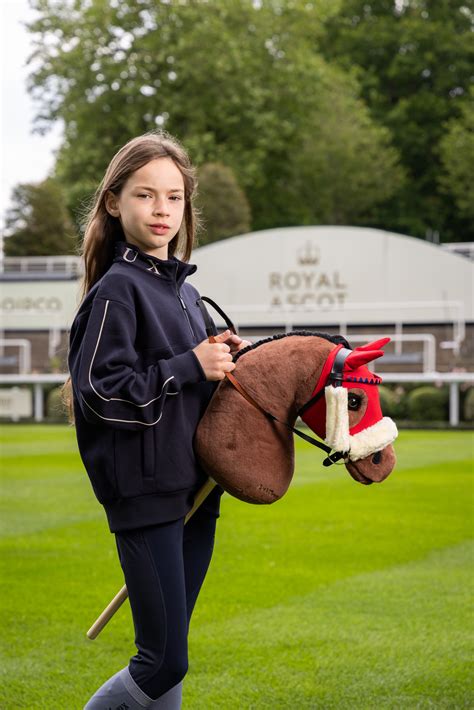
pixel 119 693
pixel 171 700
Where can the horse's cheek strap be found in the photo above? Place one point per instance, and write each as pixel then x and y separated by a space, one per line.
pixel 337 418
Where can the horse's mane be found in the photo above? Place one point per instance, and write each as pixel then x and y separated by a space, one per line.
pixel 336 339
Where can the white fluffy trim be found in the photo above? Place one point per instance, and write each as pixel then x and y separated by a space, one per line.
pixel 337 418
pixel 373 439
pixel 366 442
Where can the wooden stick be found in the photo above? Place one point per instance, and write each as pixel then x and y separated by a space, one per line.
pixel 120 597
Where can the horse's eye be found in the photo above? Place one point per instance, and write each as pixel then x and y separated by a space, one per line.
pixel 354 402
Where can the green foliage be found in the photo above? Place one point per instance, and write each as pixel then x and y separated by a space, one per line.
pixel 222 203
pixel 414 64
pixel 338 596
pixel 345 163
pixel 387 401
pixel 38 222
pixel 317 124
pixel 428 403
pixel 468 409
pixel 457 156
pixel 393 401
pixel 239 83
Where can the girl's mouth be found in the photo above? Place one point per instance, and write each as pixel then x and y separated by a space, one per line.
pixel 158 229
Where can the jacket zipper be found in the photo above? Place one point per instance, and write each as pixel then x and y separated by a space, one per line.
pixel 186 313
pixel 181 300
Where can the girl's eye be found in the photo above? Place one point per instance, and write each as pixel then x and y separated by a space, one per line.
pixel 173 197
pixel 353 402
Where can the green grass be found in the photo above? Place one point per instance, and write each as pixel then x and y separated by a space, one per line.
pixel 338 596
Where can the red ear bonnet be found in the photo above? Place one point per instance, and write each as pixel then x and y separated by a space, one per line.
pixel 361 357
pixel 355 374
pixel 376 345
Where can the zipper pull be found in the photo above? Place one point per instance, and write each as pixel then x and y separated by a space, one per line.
pixel 182 303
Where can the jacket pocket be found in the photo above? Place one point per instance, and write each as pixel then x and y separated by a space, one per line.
pixel 148 453
pixel 128 457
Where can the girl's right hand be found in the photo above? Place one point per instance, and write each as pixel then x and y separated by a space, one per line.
pixel 215 358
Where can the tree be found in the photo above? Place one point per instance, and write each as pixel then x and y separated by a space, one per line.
pixel 38 222
pixel 344 165
pixel 413 60
pixel 222 203
pixel 240 83
pixel 457 157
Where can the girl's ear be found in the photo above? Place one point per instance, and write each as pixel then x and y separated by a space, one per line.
pixel 111 204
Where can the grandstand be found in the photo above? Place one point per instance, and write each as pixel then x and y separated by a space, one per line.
pixel 363 283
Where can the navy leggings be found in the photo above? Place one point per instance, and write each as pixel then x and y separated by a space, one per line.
pixel 164 567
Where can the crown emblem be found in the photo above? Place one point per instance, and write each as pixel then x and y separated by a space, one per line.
pixel 309 254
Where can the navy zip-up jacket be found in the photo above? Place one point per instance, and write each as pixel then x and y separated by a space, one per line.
pixel 139 390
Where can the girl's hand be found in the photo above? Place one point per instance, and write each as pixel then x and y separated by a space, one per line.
pixel 234 341
pixel 215 358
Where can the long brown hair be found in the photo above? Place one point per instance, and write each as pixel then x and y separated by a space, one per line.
pixel 101 230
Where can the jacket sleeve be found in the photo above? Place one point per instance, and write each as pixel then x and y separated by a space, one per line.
pixel 107 386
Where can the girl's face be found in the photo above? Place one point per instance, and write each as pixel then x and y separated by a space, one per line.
pixel 152 196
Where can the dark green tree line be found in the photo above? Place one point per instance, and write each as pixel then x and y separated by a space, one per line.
pixel 457 156
pixel 222 204
pixel 414 62
pixel 350 112
pixel 240 83
pixel 38 222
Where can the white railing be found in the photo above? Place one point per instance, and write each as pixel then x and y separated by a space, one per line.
pixel 66 265
pixel 24 346
pixel 453 379
pixel 54 331
pixel 71 265
pixel 38 382
pixel 453 313
pixel 427 339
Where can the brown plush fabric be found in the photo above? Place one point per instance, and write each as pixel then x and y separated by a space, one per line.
pixel 251 457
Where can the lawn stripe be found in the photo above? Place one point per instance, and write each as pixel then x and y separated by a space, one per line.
pixel 386 622
pixel 338 596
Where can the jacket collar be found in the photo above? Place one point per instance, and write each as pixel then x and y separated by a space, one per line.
pixel 172 269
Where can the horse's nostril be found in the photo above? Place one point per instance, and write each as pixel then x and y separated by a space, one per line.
pixel 377 457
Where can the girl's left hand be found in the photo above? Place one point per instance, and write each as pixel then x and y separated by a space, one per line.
pixel 234 342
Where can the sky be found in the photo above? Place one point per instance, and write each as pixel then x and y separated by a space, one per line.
pixel 24 157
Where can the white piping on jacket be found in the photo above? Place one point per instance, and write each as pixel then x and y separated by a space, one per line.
pixel 125 421
pixel 118 399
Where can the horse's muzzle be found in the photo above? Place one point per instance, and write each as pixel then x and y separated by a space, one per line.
pixel 374 468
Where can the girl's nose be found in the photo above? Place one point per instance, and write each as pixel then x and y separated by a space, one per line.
pixel 160 207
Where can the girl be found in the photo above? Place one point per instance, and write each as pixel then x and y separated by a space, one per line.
pixel 142 374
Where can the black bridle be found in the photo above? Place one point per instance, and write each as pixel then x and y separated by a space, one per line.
pixel 334 378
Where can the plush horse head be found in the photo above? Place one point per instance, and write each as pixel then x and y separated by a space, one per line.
pixel 349 417
pixel 251 455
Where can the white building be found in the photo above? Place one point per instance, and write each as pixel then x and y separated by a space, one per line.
pixel 357 281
